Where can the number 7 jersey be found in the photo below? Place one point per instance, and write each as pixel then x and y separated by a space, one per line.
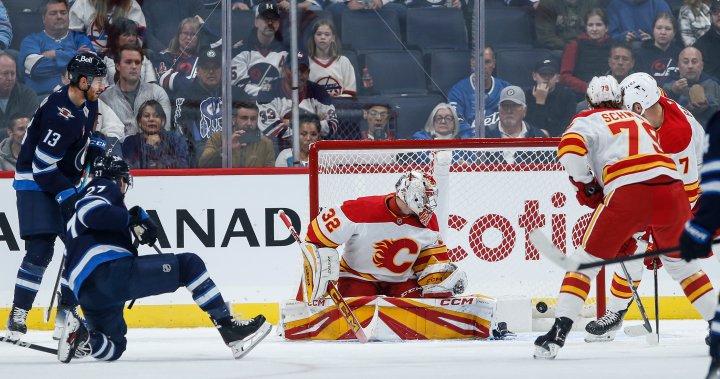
pixel 619 147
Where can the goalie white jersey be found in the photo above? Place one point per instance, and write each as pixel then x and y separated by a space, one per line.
pixel 336 75
pixel 682 136
pixel 624 149
pixel 378 244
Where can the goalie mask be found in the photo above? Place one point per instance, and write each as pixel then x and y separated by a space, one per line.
pixel 114 168
pixel 603 89
pixel 640 88
pixel 419 192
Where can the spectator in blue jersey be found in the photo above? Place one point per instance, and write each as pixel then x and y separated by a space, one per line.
pixel 115 274
pixel 154 146
pixel 441 124
pixel 659 56
pixel 48 172
pixel 309 134
pixel 632 20
pixel 45 54
pixel 462 96
pixel 696 240
pixel 15 97
pixel 6 32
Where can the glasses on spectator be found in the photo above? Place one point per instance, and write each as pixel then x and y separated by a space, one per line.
pixel 187 34
pixel 7 74
pixel 445 119
pixel 378 114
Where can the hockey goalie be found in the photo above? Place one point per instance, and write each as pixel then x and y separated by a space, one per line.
pixel 394 272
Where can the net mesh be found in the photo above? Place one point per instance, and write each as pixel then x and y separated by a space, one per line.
pixel 491 199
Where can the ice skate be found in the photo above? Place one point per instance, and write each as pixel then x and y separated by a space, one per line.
pixel 60 317
pixel 604 328
pixel 17 323
pixel 74 339
pixel 714 371
pixel 242 335
pixel 548 345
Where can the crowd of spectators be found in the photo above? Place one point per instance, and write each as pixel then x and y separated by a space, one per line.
pixel 163 103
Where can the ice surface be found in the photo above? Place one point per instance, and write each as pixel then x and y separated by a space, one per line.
pixel 200 353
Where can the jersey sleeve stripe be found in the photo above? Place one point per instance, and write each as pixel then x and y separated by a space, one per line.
pixel 316 236
pixel 88 206
pixel 43 170
pixel 572 143
pixel 636 164
pixel 45 157
pixel 710 187
pixel 710 167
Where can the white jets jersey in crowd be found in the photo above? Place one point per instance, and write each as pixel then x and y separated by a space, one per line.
pixel 620 147
pixel 254 69
pixel 379 245
pixel 336 75
pixel 682 136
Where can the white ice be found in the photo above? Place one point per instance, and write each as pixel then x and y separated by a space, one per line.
pixel 200 353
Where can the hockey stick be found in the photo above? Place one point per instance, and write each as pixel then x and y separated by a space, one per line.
pixel 335 295
pixel 657 304
pixel 154 246
pixel 48 310
pixel 636 330
pixel 29 345
pixel 550 251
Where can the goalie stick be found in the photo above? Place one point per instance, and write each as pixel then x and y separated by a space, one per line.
pixel 29 345
pixel 335 295
pixel 551 252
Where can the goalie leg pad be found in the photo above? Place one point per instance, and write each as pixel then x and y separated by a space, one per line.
pixel 320 265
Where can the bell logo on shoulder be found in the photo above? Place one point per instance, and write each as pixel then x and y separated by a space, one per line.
pixel 86 59
pixel 65 113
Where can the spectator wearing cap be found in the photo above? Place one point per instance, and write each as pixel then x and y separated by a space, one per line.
pixel 276 104
pixel 130 91
pixel 376 122
pixel 511 123
pixel 550 105
pixel 44 55
pixel 462 95
pixel 257 64
pixel 197 105
pixel 709 43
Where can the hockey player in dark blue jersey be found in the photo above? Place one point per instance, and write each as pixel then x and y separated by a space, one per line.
pixel 49 168
pixel 104 271
pixel 696 240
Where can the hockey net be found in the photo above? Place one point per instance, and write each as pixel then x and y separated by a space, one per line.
pixel 491 194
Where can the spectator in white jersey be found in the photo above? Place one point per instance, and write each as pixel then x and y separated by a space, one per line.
pixel 328 67
pixel 257 65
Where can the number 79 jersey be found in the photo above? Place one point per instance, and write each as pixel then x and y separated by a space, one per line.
pixel 620 147
pixel 379 246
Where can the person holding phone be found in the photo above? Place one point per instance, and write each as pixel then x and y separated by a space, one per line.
pixel 250 148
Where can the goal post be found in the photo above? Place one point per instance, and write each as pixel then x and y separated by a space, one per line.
pixel 491 194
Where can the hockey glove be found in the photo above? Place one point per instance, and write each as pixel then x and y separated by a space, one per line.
pixel 143 226
pixel 97 147
pixel 695 242
pixel 67 199
pixel 588 194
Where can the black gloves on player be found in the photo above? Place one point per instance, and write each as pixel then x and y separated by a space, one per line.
pixel 143 226
pixel 67 199
pixel 97 147
pixel 695 242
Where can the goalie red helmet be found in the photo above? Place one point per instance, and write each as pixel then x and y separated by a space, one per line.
pixel 640 88
pixel 604 89
pixel 419 192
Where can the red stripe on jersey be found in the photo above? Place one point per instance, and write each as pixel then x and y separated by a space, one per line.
pixel 431 256
pixel 635 164
pixel 373 209
pixel 572 143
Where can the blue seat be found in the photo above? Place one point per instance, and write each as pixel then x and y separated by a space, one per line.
pixel 436 28
pixel 516 66
pixel 396 72
pixel 508 27
pixel 24 22
pixel 367 30
pixel 447 68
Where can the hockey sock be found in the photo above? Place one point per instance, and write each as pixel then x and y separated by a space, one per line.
pixel 620 293
pixel 196 279
pixel 715 334
pixel 103 348
pixel 699 291
pixel 29 276
pixel 573 293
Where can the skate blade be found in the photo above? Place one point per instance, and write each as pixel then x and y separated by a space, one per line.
pixel 549 353
pixel 606 337
pixel 15 336
pixel 240 348
pixel 636 331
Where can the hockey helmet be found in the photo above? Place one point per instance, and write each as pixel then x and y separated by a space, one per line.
pixel 640 88
pixel 602 89
pixel 87 64
pixel 112 167
pixel 419 192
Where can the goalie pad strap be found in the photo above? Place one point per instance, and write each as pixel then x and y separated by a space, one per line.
pixel 320 265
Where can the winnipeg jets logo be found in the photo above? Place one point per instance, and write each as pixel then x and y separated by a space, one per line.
pixel 65 113
pixel 166 268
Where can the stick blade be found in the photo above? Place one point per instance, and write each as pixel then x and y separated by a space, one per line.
pixel 551 252
pixel 636 331
pixel 652 339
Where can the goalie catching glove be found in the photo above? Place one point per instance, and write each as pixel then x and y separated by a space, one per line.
pixel 442 280
pixel 320 265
